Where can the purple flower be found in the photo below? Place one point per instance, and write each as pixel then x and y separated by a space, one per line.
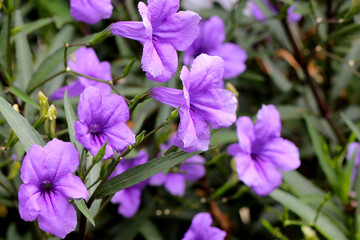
pixel 210 41
pixel 191 170
pixel 129 198
pixel 48 186
pixel 354 147
pixel 252 9
pixel 88 64
pixel 162 32
pixel 103 119
pixel 203 100
pixel 91 11
pixel 201 229
pixel 261 153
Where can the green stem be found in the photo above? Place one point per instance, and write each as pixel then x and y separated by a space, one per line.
pixel 88 170
pixel 48 79
pixel 8 48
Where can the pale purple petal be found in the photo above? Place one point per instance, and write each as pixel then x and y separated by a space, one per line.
pixel 179 29
pixel 159 60
pixel 246 134
pixel 234 59
pixel 175 184
pixel 233 149
pixel 119 136
pixel 252 9
pixel 162 9
pixel 168 96
pixel 201 229
pixel 217 106
pixel 268 123
pixel 157 180
pixel 281 153
pixel 33 165
pixel 61 158
pixel 194 168
pixel 90 105
pixel 293 16
pixel 132 30
pixel 57 216
pixel 91 11
pixel 353 148
pixel 115 110
pixel 129 200
pixel 71 186
pixel 74 89
pixel 29 207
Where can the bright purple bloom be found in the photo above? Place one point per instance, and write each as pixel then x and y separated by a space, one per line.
pixel 203 100
pixel 211 41
pixel 354 147
pixel 261 153
pixel 201 229
pixel 103 119
pixel 162 32
pixel 252 9
pixel 91 11
pixel 129 198
pixel 48 186
pixel 88 64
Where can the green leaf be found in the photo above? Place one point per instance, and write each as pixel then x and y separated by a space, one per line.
pixel 30 27
pixel 100 155
pixel 224 136
pixel 23 56
pixel 150 231
pixel 23 96
pixel 308 213
pixel 317 144
pixel 70 119
pixel 351 125
pixel 142 172
pixel 27 135
pixel 128 68
pixel 80 204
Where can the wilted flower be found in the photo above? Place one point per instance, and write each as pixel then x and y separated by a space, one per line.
pixel 103 119
pixel 203 100
pixel 88 64
pixel 261 153
pixel 129 198
pixel 91 11
pixel 201 229
pixel 162 32
pixel 48 186
pixel 211 41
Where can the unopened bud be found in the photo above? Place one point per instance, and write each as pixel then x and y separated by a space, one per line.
pixel 51 113
pixel 174 113
pixel 232 89
pixel 44 104
pixel 101 36
pixel 16 107
pixel 50 123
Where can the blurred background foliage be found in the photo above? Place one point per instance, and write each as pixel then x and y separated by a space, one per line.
pixel 309 70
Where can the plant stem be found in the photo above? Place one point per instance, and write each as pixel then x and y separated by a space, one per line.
pixel 88 170
pixel 324 109
pixel 48 79
pixel 8 48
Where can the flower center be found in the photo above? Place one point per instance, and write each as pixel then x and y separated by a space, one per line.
pixel 46 187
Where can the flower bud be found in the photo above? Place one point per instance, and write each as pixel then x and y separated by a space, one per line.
pixel 44 104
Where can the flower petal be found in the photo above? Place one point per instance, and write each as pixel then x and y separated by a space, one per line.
pixel 217 106
pixel 119 136
pixel 175 184
pixel 157 180
pixel 233 149
pixel 91 11
pixel 132 30
pixel 29 207
pixel 268 123
pixel 246 134
pixel 61 158
pixel 71 186
pixel 129 200
pixel 201 229
pixel 74 89
pixel 234 59
pixel 282 153
pixel 32 169
pixel 159 60
pixel 57 216
pixel 194 168
pixel 179 29
pixel 161 9
pixel 168 96
pixel 90 105
pixel 114 110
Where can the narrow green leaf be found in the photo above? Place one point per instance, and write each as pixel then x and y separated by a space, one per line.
pixel 142 172
pixel 351 125
pixel 30 27
pixel 27 135
pixel 99 156
pixel 128 68
pixel 308 213
pixel 23 56
pixel 80 204
pixel 150 231
pixel 317 144
pixel 23 96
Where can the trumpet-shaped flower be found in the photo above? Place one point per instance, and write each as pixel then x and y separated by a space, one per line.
pixel 88 64
pixel 48 184
pixel 129 198
pixel 211 41
pixel 203 101
pixel 201 229
pixel 162 32
pixel 103 119
pixel 91 11
pixel 261 153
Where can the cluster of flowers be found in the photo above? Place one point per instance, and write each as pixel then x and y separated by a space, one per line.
pixel 260 154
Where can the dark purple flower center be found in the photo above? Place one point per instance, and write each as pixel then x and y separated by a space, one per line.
pixel 46 187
